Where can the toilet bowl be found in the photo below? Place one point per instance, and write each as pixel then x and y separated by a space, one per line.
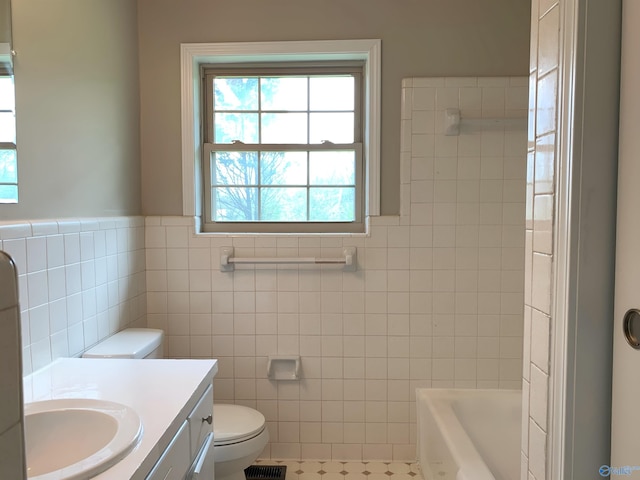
pixel 239 435
pixel 239 432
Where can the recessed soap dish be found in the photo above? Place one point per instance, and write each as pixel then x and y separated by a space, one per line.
pixel 283 367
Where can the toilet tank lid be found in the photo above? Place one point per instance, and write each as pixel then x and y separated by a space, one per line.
pixel 128 343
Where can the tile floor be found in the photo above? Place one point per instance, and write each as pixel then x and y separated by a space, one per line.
pixel 333 470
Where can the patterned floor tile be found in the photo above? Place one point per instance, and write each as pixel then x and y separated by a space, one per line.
pixel 399 468
pixel 354 467
pixel 333 467
pixel 332 470
pixel 355 476
pixel 377 467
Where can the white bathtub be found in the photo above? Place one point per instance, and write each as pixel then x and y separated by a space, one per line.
pixel 466 434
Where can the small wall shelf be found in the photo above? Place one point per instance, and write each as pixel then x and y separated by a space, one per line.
pixel 283 367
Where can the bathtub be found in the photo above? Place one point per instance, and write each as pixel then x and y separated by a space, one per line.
pixel 466 434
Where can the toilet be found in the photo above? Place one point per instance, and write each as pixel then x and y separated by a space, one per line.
pixel 239 432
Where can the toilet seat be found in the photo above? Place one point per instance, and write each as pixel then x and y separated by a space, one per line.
pixel 235 424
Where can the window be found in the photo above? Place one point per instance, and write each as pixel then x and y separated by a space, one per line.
pixel 281 136
pixel 8 157
pixel 283 147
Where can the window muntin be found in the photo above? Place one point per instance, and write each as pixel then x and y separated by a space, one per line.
pixel 283 149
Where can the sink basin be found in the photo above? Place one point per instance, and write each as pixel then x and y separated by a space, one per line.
pixel 71 439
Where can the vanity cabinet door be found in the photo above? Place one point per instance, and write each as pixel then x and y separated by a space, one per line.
pixel 190 453
pixel 175 460
pixel 201 420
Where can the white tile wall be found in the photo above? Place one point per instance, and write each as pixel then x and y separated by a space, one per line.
pixel 543 99
pixel 437 299
pixel 473 186
pixel 80 280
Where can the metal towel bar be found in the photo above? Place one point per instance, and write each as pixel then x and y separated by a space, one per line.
pixel 228 261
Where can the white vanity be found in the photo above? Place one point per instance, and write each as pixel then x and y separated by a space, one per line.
pixel 174 399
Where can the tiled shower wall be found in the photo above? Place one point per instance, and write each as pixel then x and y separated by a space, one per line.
pixel 541 168
pixel 437 299
pixel 79 281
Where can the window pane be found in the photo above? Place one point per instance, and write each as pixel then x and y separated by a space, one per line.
pixel 332 93
pixel 7 127
pixel 288 93
pixel 8 194
pixel 284 128
pixel 283 168
pixel 235 93
pixel 234 168
pixel 332 168
pixel 234 204
pixel 284 204
pixel 328 204
pixel 7 94
pixel 8 166
pixel 236 126
pixel 335 127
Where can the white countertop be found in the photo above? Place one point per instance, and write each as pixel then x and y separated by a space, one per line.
pixel 161 391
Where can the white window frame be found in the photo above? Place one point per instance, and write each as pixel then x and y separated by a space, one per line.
pixel 192 55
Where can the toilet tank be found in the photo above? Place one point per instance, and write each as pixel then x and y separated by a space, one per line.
pixel 129 343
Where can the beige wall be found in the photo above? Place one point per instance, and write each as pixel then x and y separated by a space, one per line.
pixel 5 24
pixel 77 89
pixel 77 109
pixel 419 38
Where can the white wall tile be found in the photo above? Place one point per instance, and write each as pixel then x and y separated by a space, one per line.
pixel 537 451
pixel 423 99
pixel 71 248
pixel 60 292
pixel 488 325
pixel 36 254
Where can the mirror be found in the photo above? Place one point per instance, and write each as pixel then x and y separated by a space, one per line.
pixel 8 151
